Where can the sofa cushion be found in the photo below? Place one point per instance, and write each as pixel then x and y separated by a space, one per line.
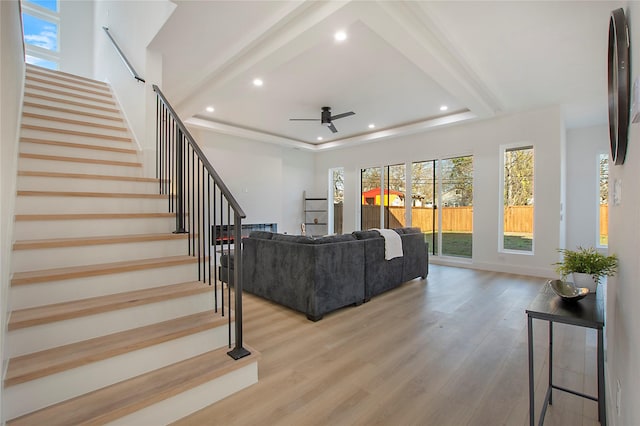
pixel 262 235
pixel 408 230
pixel 366 235
pixel 300 239
pixel 225 259
pixel 334 239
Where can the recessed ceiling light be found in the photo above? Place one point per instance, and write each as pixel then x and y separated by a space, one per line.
pixel 320 138
pixel 372 126
pixel 258 82
pixel 210 109
pixel 444 108
pixel 340 36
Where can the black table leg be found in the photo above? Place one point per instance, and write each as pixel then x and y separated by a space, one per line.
pixel 551 362
pixel 532 405
pixel 602 404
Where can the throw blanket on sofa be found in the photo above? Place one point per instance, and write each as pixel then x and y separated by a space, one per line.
pixel 392 243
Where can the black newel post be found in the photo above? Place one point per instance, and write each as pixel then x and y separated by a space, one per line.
pixel 238 351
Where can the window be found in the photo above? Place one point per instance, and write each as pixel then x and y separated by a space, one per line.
pixel 394 196
pixel 41 26
pixel 447 183
pixel 337 198
pixel 424 213
pixel 371 188
pixel 518 200
pixel 603 200
pixel 456 192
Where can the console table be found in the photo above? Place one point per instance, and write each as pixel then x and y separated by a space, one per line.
pixel 588 312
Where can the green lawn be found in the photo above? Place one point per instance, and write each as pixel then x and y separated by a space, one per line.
pixel 459 244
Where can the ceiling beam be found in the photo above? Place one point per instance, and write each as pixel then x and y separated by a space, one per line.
pixel 409 27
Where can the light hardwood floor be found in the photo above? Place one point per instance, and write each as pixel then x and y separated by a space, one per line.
pixel 448 350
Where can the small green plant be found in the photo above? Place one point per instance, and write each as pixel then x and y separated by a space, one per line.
pixel 587 261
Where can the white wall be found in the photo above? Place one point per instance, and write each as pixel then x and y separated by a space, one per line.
pixel 583 149
pixel 76 37
pixel 267 180
pixel 623 290
pixel 11 87
pixel 543 129
pixel 133 24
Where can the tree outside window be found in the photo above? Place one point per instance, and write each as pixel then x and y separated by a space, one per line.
pixel 518 199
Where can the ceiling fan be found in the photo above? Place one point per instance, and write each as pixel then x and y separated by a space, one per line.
pixel 326 118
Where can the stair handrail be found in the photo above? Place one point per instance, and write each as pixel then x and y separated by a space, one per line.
pixel 178 176
pixel 203 158
pixel 123 57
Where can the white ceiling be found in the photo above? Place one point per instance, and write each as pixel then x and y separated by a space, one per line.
pixel 400 63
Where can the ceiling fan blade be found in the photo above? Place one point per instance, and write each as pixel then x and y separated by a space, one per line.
pixel 332 128
pixel 344 114
pixel 303 119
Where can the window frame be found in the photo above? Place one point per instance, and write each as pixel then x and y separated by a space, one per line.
pixel 501 201
pixel 42 13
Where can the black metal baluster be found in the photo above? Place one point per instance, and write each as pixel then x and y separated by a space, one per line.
pixel 179 187
pixel 211 254
pixel 201 237
pixel 229 275
pixel 215 243
pixel 196 239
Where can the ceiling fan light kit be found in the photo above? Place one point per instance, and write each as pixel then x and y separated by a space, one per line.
pixel 326 119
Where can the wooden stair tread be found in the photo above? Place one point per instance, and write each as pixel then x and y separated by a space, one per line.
pixel 72 111
pixel 56 274
pixel 89 241
pixel 87 176
pixel 28 317
pixel 77 145
pixel 91 216
pixel 70 94
pixel 91 194
pixel 76 133
pixel 71 121
pixel 44 363
pixel 61 75
pixel 120 399
pixel 69 102
pixel 102 91
pixel 79 160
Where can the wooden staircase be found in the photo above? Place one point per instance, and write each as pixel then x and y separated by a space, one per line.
pixel 108 322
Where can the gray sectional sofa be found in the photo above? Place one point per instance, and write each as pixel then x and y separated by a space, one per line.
pixel 320 275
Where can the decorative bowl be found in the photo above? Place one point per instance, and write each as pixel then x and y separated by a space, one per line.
pixel 568 291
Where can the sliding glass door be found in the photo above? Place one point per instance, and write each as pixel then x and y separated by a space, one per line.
pixel 446 183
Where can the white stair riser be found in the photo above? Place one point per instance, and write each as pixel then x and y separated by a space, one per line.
pixel 30 396
pixel 39 294
pixel 33 339
pixel 55 205
pixel 112 111
pixel 46 183
pixel 67 79
pixel 69 95
pixel 75 152
pixel 181 405
pixel 36 229
pixel 45 73
pixel 41 110
pixel 47 165
pixel 61 257
pixel 89 139
pixel 75 127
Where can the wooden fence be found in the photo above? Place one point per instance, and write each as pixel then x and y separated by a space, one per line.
pixel 518 219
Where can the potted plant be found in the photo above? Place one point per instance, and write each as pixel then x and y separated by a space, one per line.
pixel 587 266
